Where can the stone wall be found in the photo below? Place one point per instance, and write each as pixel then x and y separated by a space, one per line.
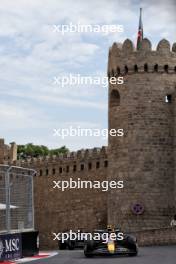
pixel 152 237
pixel 57 211
pixel 174 101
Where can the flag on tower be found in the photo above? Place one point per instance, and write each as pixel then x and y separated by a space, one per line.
pixel 140 31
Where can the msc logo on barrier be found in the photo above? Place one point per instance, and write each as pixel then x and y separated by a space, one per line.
pixel 10 246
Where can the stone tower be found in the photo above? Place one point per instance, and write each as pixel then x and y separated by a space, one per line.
pixel 145 107
pixel 13 151
pixel 7 153
pixel 1 150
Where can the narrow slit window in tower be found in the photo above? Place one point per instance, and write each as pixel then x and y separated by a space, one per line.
pixel 168 98
pixel 114 98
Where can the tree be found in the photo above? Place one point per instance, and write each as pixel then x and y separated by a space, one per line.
pixel 29 150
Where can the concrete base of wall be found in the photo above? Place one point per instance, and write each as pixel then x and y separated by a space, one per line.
pixel 152 237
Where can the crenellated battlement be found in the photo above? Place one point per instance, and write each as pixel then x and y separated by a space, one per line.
pixel 125 59
pixel 84 155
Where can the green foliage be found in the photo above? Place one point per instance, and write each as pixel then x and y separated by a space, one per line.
pixel 30 150
pixel 57 151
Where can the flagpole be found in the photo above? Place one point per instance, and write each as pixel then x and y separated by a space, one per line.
pixel 140 31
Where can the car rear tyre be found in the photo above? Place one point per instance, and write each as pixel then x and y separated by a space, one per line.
pixel 71 245
pixel 134 254
pixel 87 253
pixel 62 246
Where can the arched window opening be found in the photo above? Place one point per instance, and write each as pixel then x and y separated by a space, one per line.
pixel 97 165
pixel 89 166
pixel 105 163
pixel 82 167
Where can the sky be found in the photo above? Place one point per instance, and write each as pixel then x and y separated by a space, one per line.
pixel 32 54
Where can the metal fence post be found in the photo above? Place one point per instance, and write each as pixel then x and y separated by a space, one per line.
pixel 7 193
pixel 33 223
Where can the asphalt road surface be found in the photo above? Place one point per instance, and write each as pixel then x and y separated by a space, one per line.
pixel 147 255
